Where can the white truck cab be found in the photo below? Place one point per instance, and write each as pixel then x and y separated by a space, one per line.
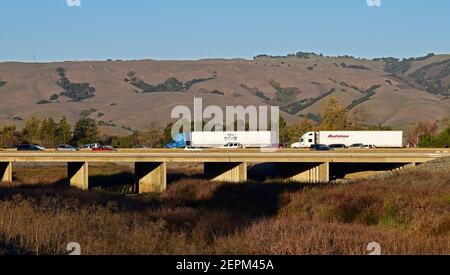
pixel 306 141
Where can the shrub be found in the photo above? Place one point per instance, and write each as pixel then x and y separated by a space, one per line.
pixel 170 85
pixel 298 106
pixel 283 96
pixel 357 67
pixel 369 93
pixel 43 102
pixel 433 77
pixel 256 92
pixel 54 97
pixel 76 91
pixel 86 113
pixel 107 124
pixel 396 67
pixel 217 92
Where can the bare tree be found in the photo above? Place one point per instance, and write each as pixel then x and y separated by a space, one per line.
pixel 152 136
pixel 420 130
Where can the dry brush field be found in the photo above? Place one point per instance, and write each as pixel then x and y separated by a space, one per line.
pixel 407 213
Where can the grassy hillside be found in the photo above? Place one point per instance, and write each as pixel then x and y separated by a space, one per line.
pixel 406 214
pixel 132 94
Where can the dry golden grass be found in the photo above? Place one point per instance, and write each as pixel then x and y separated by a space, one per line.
pixel 406 215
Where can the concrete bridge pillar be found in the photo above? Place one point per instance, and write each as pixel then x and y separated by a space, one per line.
pixel 78 174
pixel 306 172
pixel 6 172
pixel 151 177
pixel 226 171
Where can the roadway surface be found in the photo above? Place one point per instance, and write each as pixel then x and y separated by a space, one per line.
pixel 241 155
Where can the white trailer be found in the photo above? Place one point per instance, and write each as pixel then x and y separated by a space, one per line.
pixel 381 139
pixel 251 139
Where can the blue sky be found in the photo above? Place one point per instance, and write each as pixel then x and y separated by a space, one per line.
pixel 50 30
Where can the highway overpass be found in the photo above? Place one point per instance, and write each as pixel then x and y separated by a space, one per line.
pixel 227 166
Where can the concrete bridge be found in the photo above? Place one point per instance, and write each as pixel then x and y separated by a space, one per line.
pixel 226 166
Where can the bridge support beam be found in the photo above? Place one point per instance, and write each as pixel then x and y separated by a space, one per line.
pixel 226 171
pixel 306 172
pixel 78 174
pixel 6 172
pixel 151 177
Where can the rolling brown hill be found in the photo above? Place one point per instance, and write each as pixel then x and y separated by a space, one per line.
pixel 125 95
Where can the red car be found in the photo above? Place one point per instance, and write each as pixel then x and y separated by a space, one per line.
pixel 103 149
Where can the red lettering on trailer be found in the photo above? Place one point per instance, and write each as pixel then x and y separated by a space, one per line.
pixel 338 136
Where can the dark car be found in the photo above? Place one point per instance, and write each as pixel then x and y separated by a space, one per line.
pixel 30 147
pixel 357 146
pixel 338 146
pixel 320 147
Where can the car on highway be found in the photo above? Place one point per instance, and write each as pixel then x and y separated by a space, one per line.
pixel 91 146
pixel 194 148
pixel 320 147
pixel 370 146
pixel 338 146
pixel 357 146
pixel 233 145
pixel 103 149
pixel 30 147
pixel 66 148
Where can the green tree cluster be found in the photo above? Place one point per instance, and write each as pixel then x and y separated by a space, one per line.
pixel 49 133
pixel 171 84
pixel 437 140
pixel 76 91
pixel 46 132
pixel 86 131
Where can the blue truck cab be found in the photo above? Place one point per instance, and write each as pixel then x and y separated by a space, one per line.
pixel 181 141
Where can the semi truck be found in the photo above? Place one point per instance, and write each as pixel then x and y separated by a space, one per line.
pixel 379 139
pixel 249 139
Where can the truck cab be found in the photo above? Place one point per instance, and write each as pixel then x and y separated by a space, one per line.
pixel 306 141
pixel 181 141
